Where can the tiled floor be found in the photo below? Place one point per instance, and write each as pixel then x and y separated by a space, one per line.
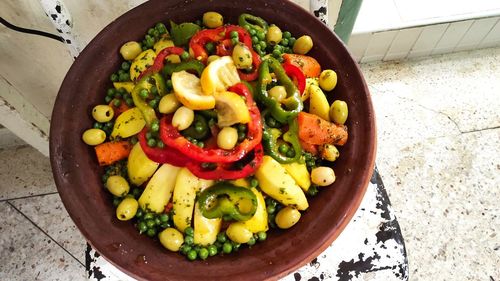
pixel 438 152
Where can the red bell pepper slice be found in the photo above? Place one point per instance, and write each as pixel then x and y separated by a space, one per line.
pixel 160 60
pixel 171 136
pixel 223 171
pixel 162 155
pixel 297 76
pixel 221 36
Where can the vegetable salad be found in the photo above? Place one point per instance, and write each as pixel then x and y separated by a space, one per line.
pixel 213 133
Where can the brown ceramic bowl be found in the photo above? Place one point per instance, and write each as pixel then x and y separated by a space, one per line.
pixel 78 176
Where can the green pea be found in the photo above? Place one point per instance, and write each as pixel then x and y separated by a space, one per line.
pixel 151 142
pixel 270 209
pixel 125 65
pixel 150 223
pixel 160 144
pixel 252 241
pixel 185 249
pixel 129 101
pixel 111 92
pixel 189 231
pixel 252 31
pixel 203 253
pixel 234 34
pixel 185 55
pixel 117 102
pixel 164 217
pixel 287 34
pixel 261 35
pixel 290 153
pixel 114 77
pixel 144 93
pixel 142 227
pixel 116 200
pixel 284 42
pixel 157 221
pixel 235 40
pixel 339 112
pixel 169 84
pixel 221 237
pixel 227 247
pixel 212 250
pixel 254 182
pixel 192 255
pixel 210 47
pixel 139 213
pixel 255 39
pixel 283 148
pixel 189 240
pixel 276 53
pixel 262 235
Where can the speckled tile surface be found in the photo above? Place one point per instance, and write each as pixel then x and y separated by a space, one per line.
pixel 24 172
pixel 439 156
pixel 48 213
pixel 26 253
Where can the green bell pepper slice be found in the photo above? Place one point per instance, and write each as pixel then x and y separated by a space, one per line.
pixel 270 138
pixel 292 103
pixel 192 65
pixel 147 83
pixel 255 22
pixel 181 33
pixel 227 200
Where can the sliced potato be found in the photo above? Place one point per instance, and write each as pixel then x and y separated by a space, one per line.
pixel 318 104
pixel 141 63
pixel 140 168
pixel 159 189
pixel 300 174
pixel 186 186
pixel 259 220
pixel 277 183
pixel 128 123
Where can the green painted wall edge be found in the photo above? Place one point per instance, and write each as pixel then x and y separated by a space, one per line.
pixel 347 17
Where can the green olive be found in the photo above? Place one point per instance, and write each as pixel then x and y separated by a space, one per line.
pixel 127 209
pixel 183 117
pixel 239 233
pixel 329 152
pixel 287 217
pixel 94 136
pixel 118 186
pixel 303 45
pixel 171 239
pixel 168 104
pixel 227 138
pixel 328 79
pixel 274 35
pixel 103 113
pixel 278 93
pixel 212 19
pixel 242 56
pixel 130 50
pixel 339 112
pixel 322 176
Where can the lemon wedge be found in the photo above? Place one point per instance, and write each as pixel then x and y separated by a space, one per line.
pixel 231 109
pixel 187 90
pixel 219 75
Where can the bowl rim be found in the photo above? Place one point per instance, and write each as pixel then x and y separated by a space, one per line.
pixel 334 233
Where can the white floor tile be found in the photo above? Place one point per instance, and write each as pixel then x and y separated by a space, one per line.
pixel 23 172
pixel 26 253
pixel 48 213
